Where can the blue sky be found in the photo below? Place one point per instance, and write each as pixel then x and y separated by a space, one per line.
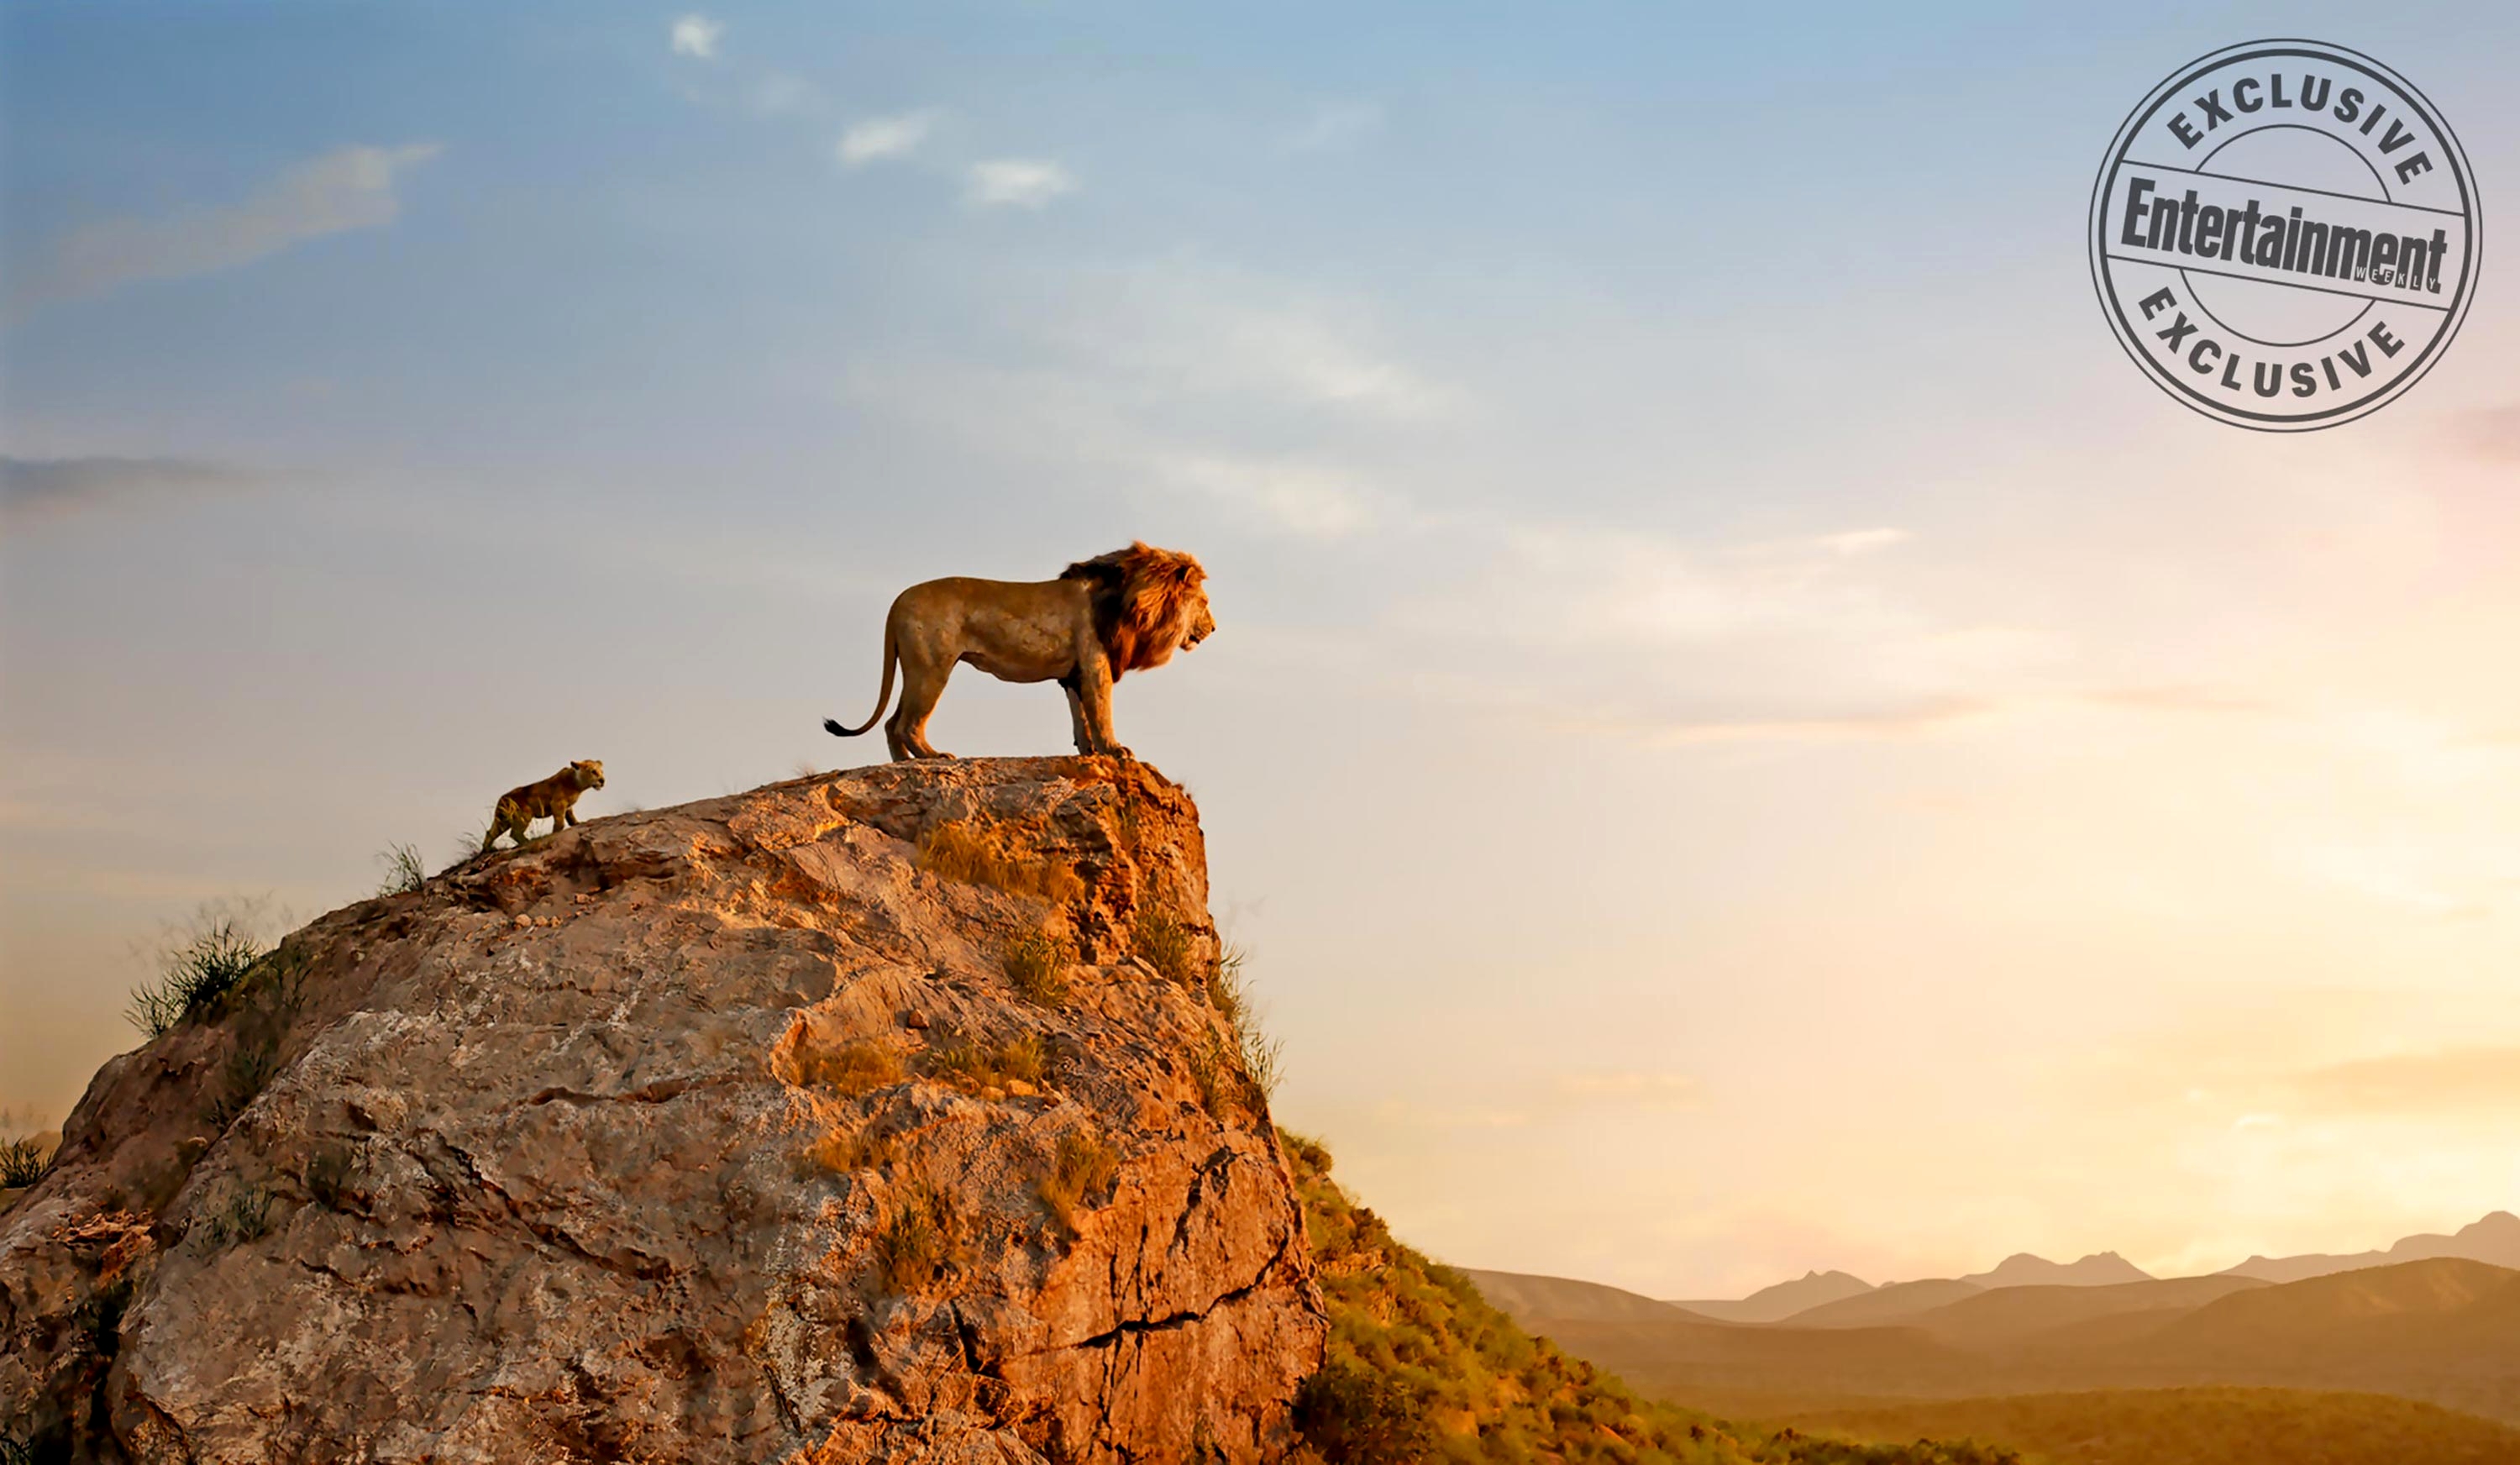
pixel 1745 735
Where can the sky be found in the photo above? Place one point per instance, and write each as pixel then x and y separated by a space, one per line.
pixel 1745 735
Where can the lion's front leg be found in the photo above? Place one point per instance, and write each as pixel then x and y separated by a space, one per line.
pixel 1076 723
pixel 1094 698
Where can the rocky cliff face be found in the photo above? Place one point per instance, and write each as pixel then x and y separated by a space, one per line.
pixel 718 1132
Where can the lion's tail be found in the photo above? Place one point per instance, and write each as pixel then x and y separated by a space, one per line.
pixel 883 697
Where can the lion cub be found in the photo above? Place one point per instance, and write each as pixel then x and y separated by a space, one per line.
pixel 554 798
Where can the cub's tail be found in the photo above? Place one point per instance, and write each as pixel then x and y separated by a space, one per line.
pixel 883 697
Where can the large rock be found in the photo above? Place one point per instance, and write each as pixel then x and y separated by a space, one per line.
pixel 647 1143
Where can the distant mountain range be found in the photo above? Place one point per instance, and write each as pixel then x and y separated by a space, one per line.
pixel 2496 1239
pixel 1838 1299
pixel 2443 1330
pixel 1775 1304
pixel 2433 1318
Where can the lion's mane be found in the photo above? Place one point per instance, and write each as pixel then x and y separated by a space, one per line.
pixel 1145 601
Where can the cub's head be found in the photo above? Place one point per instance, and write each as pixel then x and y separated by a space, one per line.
pixel 587 773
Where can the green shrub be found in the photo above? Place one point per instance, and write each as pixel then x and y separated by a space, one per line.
pixel 1353 1417
pixel 1037 966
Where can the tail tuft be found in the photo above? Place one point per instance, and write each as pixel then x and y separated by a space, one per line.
pixel 832 725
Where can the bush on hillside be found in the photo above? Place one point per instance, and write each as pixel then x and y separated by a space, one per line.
pixel 1420 1368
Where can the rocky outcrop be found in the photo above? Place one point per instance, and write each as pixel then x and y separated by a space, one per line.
pixel 717 1133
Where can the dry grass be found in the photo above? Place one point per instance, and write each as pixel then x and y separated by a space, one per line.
pixel 1037 966
pixel 1165 944
pixel 1229 989
pixel 973 1066
pixel 852 1069
pixel 978 854
pixel 1212 1069
pixel 1081 1169
pixel 404 872
pixel 846 1152
pixel 921 1239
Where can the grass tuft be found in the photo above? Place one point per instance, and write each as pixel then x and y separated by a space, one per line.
pixel 921 1240
pixel 1037 966
pixel 246 1216
pixel 246 1072
pixel 1081 1168
pixel 840 1152
pixel 1212 1069
pixel 23 1161
pixel 853 1069
pixel 1165 944
pixel 404 872
pixel 978 854
pixel 973 1066
pixel 195 974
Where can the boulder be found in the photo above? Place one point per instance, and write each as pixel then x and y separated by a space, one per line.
pixel 774 1126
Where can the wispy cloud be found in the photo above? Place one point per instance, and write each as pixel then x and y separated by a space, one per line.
pixel 697 35
pixel 37 488
pixel 2450 1080
pixel 1017 183
pixel 346 189
pixel 879 138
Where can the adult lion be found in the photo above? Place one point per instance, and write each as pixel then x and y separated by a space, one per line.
pixel 1100 620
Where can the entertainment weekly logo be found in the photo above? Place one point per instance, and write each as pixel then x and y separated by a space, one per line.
pixel 2285 235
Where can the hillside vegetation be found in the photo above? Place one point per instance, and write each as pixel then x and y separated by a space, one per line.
pixel 2195 1427
pixel 1420 1368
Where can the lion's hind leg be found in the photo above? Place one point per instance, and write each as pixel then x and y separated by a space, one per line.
pixel 907 730
pixel 503 821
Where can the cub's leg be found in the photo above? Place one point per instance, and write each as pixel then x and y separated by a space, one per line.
pixel 500 820
pixel 568 818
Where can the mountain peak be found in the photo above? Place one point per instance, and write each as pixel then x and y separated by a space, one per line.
pixel 2025 1270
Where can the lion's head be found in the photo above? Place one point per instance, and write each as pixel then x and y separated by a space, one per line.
pixel 1147 603
pixel 587 773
